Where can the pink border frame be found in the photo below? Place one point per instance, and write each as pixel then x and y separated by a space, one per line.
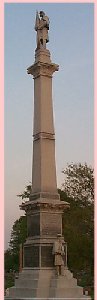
pixel 2 127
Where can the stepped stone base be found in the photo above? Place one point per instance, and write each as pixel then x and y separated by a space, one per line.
pixel 44 284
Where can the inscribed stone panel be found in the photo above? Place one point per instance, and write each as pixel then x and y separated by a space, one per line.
pixel 31 256
pixel 51 224
pixel 47 259
pixel 33 225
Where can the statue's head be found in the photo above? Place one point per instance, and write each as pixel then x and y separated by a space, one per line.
pixel 42 14
pixel 59 235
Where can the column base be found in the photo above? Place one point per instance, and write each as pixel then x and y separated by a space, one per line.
pixel 43 284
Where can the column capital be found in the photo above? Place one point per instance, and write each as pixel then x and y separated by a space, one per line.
pixel 42 69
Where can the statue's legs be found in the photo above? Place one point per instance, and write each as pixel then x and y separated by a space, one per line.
pixel 43 43
pixel 57 270
pixel 62 270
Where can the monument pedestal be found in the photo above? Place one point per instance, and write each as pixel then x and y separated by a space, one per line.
pixel 43 284
pixel 44 222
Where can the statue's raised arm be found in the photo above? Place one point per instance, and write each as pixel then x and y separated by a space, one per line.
pixel 42 27
pixel 37 21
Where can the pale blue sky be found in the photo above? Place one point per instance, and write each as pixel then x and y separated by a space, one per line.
pixel 71 46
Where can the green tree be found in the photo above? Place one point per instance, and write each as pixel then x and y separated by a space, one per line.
pixel 79 183
pixel 78 221
pixel 8 259
pixel 78 230
pixel 18 236
pixel 26 193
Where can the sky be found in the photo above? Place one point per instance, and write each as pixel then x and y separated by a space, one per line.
pixel 71 38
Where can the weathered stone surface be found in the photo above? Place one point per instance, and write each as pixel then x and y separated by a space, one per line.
pixel 31 256
pixel 41 284
pixel 33 225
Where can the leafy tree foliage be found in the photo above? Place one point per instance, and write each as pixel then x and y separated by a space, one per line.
pixel 26 192
pixel 78 229
pixel 9 279
pixel 78 221
pixel 18 236
pixel 8 260
pixel 79 183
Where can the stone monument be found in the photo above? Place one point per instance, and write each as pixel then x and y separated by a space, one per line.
pixel 45 273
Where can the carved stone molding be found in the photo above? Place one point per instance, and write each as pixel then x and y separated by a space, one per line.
pixel 42 55
pixel 44 195
pixel 44 135
pixel 47 206
pixel 42 69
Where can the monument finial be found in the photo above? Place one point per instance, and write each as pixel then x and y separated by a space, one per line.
pixel 42 27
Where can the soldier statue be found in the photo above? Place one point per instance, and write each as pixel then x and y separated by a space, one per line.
pixel 59 253
pixel 42 27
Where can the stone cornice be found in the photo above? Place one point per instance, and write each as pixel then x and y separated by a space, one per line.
pixel 29 206
pixel 42 69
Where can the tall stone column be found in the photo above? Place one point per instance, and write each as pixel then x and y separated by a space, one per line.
pixel 43 168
